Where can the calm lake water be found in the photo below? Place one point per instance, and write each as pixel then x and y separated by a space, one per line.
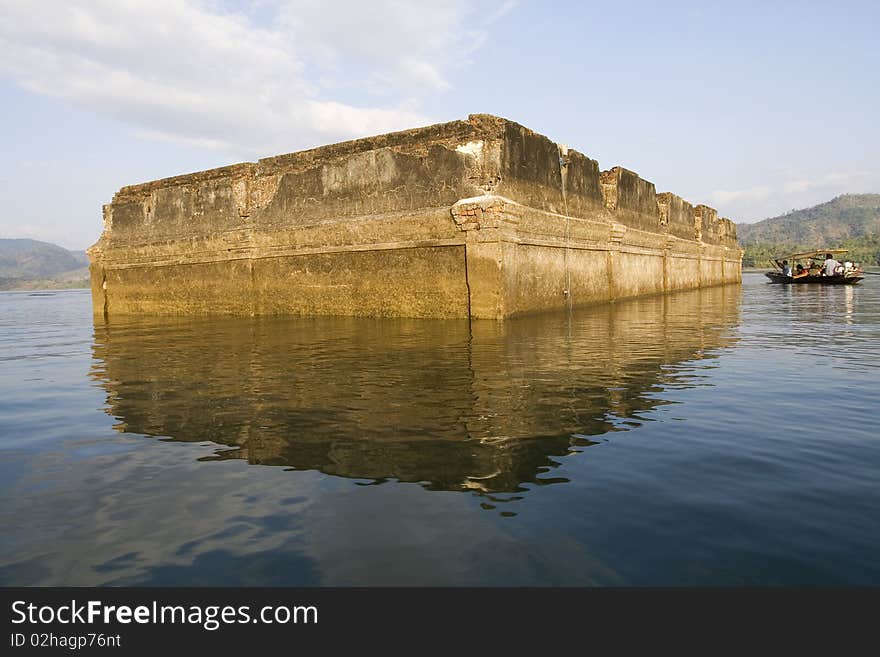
pixel 726 436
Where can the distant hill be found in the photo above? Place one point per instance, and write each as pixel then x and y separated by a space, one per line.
pixel 26 264
pixel 850 221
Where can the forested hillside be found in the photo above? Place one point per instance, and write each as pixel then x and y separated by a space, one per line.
pixel 851 221
pixel 25 264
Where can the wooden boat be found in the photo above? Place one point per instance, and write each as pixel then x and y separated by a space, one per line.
pixel 811 270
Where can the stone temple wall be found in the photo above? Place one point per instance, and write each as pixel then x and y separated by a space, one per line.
pixel 479 218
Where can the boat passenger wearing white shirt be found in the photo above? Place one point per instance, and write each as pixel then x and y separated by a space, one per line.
pixel 786 268
pixel 830 265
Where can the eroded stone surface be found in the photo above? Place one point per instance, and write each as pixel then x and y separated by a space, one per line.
pixel 480 218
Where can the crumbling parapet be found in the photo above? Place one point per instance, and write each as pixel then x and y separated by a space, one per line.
pixel 676 215
pixel 726 231
pixel 705 219
pixel 633 200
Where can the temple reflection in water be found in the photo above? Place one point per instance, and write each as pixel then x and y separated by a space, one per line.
pixel 486 406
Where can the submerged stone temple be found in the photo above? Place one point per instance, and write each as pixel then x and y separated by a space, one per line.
pixel 480 218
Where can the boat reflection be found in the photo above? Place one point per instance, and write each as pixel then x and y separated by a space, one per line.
pixel 487 406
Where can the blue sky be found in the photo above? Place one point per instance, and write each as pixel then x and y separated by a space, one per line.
pixel 753 108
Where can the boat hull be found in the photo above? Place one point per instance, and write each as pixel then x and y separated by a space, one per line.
pixel 776 277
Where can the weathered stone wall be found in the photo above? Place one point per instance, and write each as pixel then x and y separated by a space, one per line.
pixel 480 218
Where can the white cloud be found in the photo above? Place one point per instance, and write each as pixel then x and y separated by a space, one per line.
pixel 412 44
pixel 791 190
pixel 506 7
pixel 252 78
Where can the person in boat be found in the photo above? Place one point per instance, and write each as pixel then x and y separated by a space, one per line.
pixel 800 272
pixel 786 268
pixel 830 265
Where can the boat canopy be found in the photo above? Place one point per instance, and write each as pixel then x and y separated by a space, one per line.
pixel 818 253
